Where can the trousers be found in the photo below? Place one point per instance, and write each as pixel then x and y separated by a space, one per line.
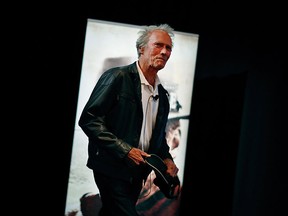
pixel 119 197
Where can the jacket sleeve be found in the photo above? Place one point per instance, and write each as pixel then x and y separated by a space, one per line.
pixel 93 117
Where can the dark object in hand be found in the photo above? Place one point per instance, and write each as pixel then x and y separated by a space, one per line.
pixel 166 183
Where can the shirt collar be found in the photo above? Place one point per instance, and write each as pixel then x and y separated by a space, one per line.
pixel 143 79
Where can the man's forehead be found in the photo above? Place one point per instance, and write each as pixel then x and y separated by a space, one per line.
pixel 160 36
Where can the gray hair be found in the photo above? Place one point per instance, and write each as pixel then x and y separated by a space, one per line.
pixel 146 31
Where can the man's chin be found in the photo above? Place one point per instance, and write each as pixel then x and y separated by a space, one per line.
pixel 160 66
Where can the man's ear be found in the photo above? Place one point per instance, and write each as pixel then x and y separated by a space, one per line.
pixel 141 50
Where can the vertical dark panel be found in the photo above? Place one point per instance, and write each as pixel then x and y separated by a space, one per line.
pixel 261 184
pixel 213 144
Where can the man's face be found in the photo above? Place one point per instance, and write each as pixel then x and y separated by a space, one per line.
pixel 158 49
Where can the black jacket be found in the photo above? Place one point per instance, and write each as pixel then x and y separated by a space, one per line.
pixel 112 120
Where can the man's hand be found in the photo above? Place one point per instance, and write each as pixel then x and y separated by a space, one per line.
pixel 172 169
pixel 137 156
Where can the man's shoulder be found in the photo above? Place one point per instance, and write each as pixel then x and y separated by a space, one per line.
pixel 129 67
pixel 123 70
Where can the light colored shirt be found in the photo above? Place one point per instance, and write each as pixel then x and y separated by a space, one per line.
pixel 150 108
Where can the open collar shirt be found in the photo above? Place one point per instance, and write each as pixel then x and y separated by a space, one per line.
pixel 150 106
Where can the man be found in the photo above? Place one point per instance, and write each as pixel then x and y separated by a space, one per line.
pixel 125 119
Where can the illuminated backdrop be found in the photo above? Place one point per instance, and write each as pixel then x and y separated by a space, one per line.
pixel 109 44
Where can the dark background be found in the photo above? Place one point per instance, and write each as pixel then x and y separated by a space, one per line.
pixel 236 152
